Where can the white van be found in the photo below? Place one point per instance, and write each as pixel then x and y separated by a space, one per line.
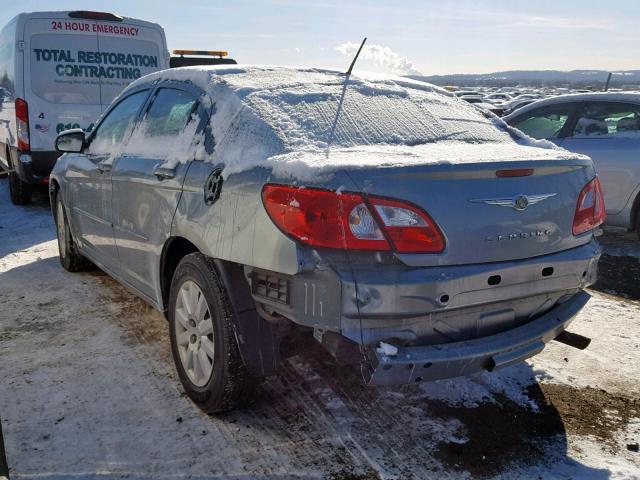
pixel 60 70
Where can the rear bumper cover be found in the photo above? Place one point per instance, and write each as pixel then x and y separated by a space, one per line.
pixel 482 325
pixel 433 362
pixel 35 167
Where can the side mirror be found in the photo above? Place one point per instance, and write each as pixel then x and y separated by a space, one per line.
pixel 71 141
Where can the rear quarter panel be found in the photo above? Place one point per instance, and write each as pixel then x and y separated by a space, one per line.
pixel 236 227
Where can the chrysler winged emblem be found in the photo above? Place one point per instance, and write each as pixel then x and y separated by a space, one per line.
pixel 518 202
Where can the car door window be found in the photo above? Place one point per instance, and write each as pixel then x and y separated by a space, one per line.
pixel 112 130
pixel 168 126
pixel 608 119
pixel 545 122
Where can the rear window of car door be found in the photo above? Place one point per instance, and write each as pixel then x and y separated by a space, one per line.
pixel 118 122
pixel 168 127
pixel 544 122
pixel 608 119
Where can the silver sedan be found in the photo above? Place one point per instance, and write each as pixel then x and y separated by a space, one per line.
pixel 261 208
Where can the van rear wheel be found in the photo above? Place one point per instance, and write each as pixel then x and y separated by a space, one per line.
pixel 19 191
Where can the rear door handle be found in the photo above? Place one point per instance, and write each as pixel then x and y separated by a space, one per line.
pixel 103 167
pixel 164 173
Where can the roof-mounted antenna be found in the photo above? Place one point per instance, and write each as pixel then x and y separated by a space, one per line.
pixel 344 91
pixel 606 86
pixel 356 57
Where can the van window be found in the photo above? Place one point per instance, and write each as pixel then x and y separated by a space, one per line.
pixel 135 58
pixel 53 59
pixel 118 121
pixel 7 62
pixel 88 69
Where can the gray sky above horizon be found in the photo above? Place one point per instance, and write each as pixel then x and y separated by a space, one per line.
pixel 431 37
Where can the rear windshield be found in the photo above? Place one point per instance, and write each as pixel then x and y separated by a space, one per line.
pixel 371 113
pixel 85 69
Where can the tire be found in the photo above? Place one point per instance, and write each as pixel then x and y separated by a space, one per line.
pixel 638 223
pixel 19 191
pixel 70 258
pixel 203 341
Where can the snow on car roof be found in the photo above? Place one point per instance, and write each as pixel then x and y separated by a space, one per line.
pixel 274 116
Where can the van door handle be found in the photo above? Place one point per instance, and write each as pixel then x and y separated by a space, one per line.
pixel 103 167
pixel 164 173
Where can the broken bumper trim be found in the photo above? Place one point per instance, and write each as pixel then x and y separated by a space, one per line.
pixel 433 362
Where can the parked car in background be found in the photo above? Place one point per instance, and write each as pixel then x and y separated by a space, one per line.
pixel 59 70
pixel 604 126
pixel 479 102
pixel 398 226
pixel 513 105
pixel 498 97
pixel 466 93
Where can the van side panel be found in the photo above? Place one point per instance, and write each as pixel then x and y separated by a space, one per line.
pixel 75 67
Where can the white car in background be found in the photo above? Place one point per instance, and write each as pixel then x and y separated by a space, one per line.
pixel 498 97
pixel 479 102
pixel 605 126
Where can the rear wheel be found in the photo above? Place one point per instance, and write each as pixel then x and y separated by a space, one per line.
pixel 19 191
pixel 203 341
pixel 638 223
pixel 70 258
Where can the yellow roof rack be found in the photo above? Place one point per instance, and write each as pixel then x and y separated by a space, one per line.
pixel 208 53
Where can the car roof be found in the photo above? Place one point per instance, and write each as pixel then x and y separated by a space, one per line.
pixel 267 77
pixel 633 97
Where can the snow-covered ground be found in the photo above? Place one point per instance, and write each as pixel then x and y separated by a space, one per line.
pixel 88 390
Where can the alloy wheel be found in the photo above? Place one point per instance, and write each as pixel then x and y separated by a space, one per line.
pixel 194 333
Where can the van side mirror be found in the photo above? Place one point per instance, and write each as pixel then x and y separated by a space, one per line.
pixel 71 141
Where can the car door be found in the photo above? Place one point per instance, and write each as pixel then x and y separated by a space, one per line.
pixel 89 177
pixel 147 182
pixel 609 132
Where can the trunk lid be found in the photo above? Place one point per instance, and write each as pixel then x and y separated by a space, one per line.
pixel 486 218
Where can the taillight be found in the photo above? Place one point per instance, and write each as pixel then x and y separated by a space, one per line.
pixel 590 211
pixel 22 124
pixel 349 221
pixel 409 228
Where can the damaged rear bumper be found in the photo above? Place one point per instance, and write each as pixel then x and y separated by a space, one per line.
pixel 433 362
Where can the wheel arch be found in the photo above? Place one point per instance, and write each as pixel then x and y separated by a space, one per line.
pixel 54 190
pixel 258 340
pixel 174 250
pixel 634 219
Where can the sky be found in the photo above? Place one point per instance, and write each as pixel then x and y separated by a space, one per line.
pixel 404 36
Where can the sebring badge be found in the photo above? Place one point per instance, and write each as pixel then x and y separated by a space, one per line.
pixel 518 202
